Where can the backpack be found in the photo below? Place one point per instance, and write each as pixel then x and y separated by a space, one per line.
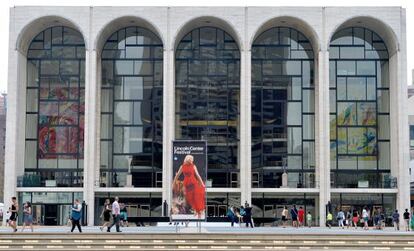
pixel 242 212
pixel 230 213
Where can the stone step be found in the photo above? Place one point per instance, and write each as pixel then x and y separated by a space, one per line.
pixel 228 241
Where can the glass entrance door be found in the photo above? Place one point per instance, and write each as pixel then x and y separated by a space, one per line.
pixel 51 214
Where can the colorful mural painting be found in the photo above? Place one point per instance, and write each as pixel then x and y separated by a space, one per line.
pixel 58 124
pixel 56 82
pixel 359 109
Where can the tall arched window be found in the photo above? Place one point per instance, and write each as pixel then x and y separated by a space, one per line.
pixel 207 91
pixel 131 108
pixel 55 105
pixel 359 109
pixel 283 113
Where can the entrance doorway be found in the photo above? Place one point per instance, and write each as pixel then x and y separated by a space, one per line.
pixel 51 215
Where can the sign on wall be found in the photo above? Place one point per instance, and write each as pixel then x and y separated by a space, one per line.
pixel 189 177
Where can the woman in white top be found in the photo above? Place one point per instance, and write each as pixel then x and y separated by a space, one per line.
pixel 365 216
pixel 285 213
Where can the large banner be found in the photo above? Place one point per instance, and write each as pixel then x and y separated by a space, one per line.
pixel 189 177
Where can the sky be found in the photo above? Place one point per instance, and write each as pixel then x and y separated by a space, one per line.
pixel 6 4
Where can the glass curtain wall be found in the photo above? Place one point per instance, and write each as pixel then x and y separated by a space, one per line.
pixel 207 91
pixel 283 109
pixel 268 205
pixel 374 203
pixel 359 110
pixel 50 208
pixel 55 106
pixel 131 109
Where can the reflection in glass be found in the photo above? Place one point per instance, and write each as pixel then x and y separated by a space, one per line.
pixel 55 108
pixel 359 109
pixel 282 109
pixel 207 62
pixel 131 108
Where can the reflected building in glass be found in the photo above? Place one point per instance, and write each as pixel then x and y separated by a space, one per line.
pixel 299 106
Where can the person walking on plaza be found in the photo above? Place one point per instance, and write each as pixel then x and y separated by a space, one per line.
pixel 301 217
pixel 365 217
pixel 242 214
pixel 329 218
pixel 116 216
pixel 165 208
pixel 14 209
pixel 355 218
pixel 124 215
pixel 382 219
pixel 284 216
pixel 341 218
pixel 406 217
pixel 378 219
pixel 396 220
pixel 27 216
pixel 76 215
pixel 412 220
pixel 348 220
pixel 294 216
pixel 239 217
pixel 248 216
pixel 106 214
pixel 231 215
pixel 309 219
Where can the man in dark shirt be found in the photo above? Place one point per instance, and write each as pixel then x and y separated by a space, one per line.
pixel 396 220
pixel 248 215
pixel 406 217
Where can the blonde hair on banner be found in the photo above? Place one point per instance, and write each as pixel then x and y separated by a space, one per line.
pixel 189 159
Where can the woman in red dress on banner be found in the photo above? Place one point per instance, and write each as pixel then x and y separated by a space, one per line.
pixel 194 188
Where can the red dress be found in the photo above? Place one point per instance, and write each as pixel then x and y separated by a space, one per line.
pixel 301 215
pixel 194 191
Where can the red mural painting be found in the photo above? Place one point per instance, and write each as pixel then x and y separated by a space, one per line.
pixel 59 131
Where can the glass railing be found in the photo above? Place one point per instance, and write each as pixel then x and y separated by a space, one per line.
pixel 51 179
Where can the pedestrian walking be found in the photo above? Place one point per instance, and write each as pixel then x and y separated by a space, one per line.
pixel 238 215
pixel 284 216
pixel 242 214
pixel 248 216
pixel 329 218
pixel 301 217
pixel 309 219
pixel 165 208
pixel 116 215
pixel 365 217
pixel 14 209
pixel 106 214
pixel 396 220
pixel 231 215
pixel 382 219
pixel 76 216
pixel 340 218
pixel 294 216
pixel 355 218
pixel 124 215
pixel 27 216
pixel 406 217
pixel 412 219
pixel 348 221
